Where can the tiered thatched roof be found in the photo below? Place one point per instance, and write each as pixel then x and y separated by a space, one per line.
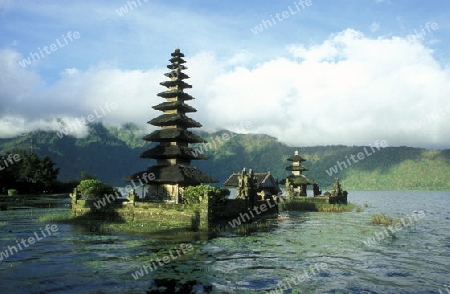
pixel 298 179
pixel 173 154
pixel 184 175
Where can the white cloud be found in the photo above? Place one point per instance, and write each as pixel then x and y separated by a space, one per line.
pixel 350 89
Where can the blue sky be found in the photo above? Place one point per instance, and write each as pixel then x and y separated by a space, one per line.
pixel 328 72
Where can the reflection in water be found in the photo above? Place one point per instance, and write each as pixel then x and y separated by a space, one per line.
pixel 77 260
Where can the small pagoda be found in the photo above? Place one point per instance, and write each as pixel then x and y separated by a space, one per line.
pixel 173 155
pixel 297 183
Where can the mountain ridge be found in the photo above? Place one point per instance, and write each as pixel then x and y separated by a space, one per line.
pixel 111 154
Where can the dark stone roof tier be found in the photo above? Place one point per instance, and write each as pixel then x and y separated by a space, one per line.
pixel 175 93
pixel 179 105
pixel 296 168
pixel 175 66
pixel 177 59
pixel 176 53
pixel 174 174
pixel 180 84
pixel 174 119
pixel 167 152
pixel 300 180
pixel 296 158
pixel 178 74
pixel 172 135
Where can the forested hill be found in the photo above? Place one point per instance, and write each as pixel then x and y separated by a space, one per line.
pixel 111 153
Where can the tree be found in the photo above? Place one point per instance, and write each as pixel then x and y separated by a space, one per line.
pixel 87 176
pixel 8 175
pixel 38 173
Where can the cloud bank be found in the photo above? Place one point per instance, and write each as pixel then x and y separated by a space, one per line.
pixel 350 89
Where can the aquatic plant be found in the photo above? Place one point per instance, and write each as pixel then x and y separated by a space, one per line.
pixel 60 216
pixel 142 227
pixel 318 206
pixel 298 205
pixel 381 219
pixel 12 192
pixel 325 207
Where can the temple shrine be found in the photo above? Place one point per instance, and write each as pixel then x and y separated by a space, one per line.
pixel 172 172
pixel 265 184
pixel 297 183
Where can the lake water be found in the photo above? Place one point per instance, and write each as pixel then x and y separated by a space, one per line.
pixel 332 246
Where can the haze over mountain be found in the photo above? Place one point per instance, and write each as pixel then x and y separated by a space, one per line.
pixel 111 153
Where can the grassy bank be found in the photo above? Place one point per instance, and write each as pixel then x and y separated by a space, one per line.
pixel 115 225
pixel 43 200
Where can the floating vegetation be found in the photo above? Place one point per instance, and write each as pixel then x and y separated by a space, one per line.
pixel 143 226
pixel 338 207
pixel 56 216
pixel 306 205
pixel 381 219
pixel 295 205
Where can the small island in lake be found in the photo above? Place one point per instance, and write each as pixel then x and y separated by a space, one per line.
pixel 175 189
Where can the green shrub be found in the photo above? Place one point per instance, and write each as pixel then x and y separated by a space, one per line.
pixel 12 192
pixel 196 194
pixel 94 188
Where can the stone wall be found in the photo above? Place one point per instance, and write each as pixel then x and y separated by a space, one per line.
pixel 234 208
pixel 197 216
pixel 189 216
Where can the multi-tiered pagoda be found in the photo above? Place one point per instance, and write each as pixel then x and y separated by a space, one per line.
pixel 173 155
pixel 297 182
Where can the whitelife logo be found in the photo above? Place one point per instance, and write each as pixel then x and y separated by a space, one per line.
pixel 281 16
pixel 111 197
pixel 428 26
pixel 90 118
pixel 10 160
pixel 11 250
pixel 244 217
pixel 129 7
pixel 184 248
pixel 220 139
pixel 397 227
pixel 342 164
pixel 53 47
